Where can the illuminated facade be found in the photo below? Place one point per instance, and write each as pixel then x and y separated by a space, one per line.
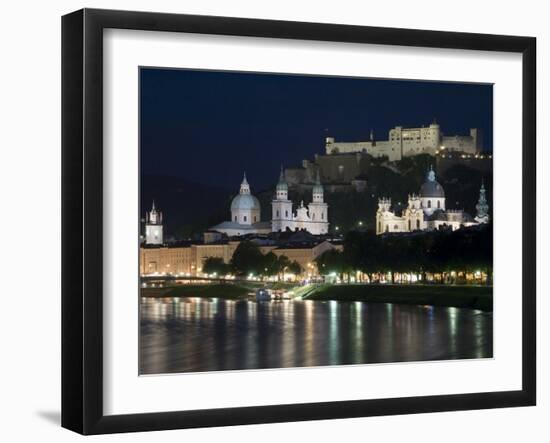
pixel 313 218
pixel 426 211
pixel 153 227
pixel 406 142
pixel 188 260
pixel 246 212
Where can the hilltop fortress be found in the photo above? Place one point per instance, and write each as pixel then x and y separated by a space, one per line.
pixel 406 142
pixel 345 165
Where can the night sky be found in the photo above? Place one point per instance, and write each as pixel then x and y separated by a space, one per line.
pixel 209 126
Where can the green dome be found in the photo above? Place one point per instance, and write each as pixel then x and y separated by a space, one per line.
pixel 245 201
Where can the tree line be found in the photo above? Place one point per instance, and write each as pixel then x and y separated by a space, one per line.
pixel 443 251
pixel 248 259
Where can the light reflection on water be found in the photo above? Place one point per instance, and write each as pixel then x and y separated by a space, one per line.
pixel 197 334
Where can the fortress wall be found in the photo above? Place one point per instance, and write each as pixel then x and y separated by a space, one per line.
pixel 461 143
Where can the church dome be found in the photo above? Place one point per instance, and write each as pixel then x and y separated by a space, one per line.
pixel 245 201
pixel 282 186
pixel 431 188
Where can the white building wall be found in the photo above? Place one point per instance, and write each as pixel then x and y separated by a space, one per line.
pixel 153 234
pixel 245 216
pixel 405 142
pixel 432 204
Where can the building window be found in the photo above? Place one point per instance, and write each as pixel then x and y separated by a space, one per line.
pixel 322 215
pixel 286 214
pixel 244 218
pixel 387 228
pixel 277 213
pixel 235 218
pixel 313 216
pixel 255 219
pixel 417 224
pixel 379 226
pixel 438 204
pixel 409 225
pixel 395 227
pixel 429 203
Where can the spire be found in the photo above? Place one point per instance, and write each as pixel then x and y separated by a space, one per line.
pixel 371 135
pixel 245 187
pixel 282 187
pixel 318 189
pixel 482 206
pixel 153 208
pixel 431 174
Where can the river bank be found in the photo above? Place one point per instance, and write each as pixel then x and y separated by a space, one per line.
pixel 230 291
pixel 474 297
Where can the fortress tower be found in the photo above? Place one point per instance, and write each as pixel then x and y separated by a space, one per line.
pixel 153 227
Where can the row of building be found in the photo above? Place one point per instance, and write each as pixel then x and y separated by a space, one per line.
pixel 187 258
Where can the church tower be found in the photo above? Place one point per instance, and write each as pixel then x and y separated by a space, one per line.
pixel 318 209
pixel 153 227
pixel 382 215
pixel 281 206
pixel 482 206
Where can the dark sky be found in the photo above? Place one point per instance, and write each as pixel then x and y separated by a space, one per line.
pixel 210 126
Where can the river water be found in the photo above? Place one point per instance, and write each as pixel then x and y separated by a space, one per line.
pixel 210 334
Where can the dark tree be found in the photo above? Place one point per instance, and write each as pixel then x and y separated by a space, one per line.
pixel 215 265
pixel 247 259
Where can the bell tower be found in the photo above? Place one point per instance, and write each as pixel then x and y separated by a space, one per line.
pixel 281 206
pixel 318 209
pixel 153 227
pixel 482 206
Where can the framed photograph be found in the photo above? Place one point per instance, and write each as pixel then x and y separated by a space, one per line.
pixel 269 221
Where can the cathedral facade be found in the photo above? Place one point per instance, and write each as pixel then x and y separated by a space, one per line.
pixel 245 215
pixel 426 211
pixel 313 218
pixel 246 212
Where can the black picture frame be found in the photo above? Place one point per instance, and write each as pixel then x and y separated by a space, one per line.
pixel 82 215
